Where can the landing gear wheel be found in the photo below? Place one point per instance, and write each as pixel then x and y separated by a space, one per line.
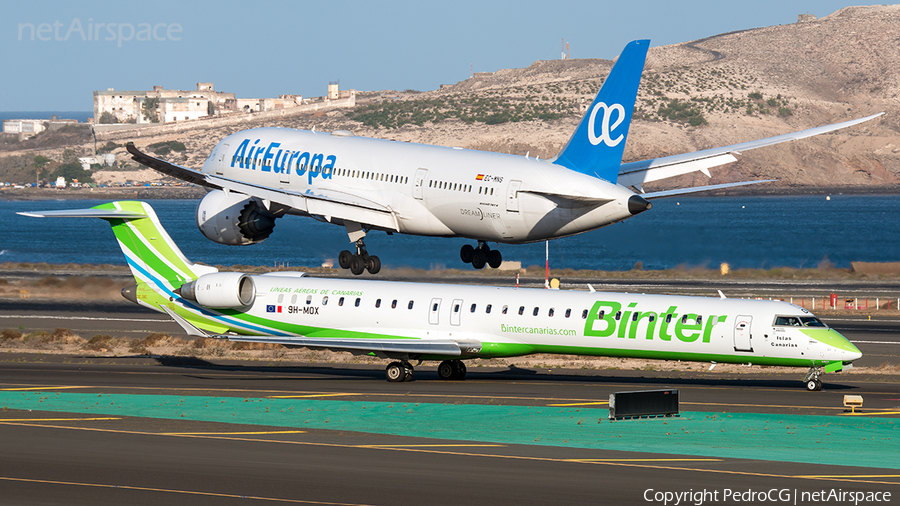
pixel 466 252
pixel 373 264
pixel 460 370
pixel 446 370
pixel 357 265
pixel 494 259
pixel 344 259
pixel 813 383
pixel 395 372
pixel 478 259
pixel 408 373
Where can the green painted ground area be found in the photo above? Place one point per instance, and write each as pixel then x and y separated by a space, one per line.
pixel 854 441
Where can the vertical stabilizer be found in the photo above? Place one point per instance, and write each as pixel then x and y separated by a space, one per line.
pixel 153 257
pixel 597 145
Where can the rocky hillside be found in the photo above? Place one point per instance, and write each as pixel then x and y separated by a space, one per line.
pixel 716 91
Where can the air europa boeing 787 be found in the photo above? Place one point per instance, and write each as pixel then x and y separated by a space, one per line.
pixel 364 184
pixel 451 323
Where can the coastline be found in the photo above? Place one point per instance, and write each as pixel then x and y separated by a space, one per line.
pixel 196 192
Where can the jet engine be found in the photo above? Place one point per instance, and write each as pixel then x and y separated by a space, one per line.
pixel 234 219
pixel 221 290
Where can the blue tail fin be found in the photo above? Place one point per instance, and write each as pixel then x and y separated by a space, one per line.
pixel 597 145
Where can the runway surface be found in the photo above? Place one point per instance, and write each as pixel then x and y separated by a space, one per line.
pixel 140 430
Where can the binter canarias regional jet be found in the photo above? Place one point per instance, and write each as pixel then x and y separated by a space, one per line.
pixel 365 184
pixel 451 323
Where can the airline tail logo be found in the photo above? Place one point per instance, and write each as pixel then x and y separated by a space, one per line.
pixel 605 128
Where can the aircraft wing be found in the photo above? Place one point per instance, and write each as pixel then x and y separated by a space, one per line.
pixel 414 346
pixel 328 203
pixel 447 347
pixel 645 171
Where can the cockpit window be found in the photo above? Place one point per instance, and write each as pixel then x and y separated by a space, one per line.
pixel 812 321
pixel 787 321
pixel 799 321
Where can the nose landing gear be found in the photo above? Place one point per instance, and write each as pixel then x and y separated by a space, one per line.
pixel 481 255
pixel 813 383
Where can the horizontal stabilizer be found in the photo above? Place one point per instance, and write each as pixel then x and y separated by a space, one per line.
pixel 86 213
pixel 695 189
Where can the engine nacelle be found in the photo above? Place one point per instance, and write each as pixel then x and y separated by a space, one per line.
pixel 221 290
pixel 233 218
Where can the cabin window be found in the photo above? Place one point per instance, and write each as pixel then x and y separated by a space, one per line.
pixel 308 300
pixel 410 305
pixel 652 317
pixel 600 315
pixel 618 315
pixel 487 309
pixel 699 320
pixel 584 314
pixel 394 304
pixel 358 300
pixel 536 311
pixel 280 298
pixel 472 309
pixel 325 300
pixel 456 308
pixel 684 319
pixel 550 313
pixel 568 313
pixel 378 303
pixel 492 191
pixel 294 299
pixel 505 308
pixel 429 184
pixel 521 310
pixel 634 316
pixel 479 190
pixel 341 301
pixel 434 307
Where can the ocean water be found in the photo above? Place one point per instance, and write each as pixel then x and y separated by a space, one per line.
pixel 745 232
pixel 81 116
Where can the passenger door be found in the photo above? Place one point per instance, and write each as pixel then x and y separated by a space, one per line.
pixel 455 310
pixel 742 335
pixel 434 312
pixel 220 163
pixel 512 196
pixel 419 184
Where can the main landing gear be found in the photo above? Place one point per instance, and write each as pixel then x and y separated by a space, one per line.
pixel 396 372
pixel 480 255
pixel 361 261
pixel 452 370
pixel 813 384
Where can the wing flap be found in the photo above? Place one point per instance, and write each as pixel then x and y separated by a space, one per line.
pixel 414 346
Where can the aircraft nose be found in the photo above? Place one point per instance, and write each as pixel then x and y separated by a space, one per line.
pixel 637 204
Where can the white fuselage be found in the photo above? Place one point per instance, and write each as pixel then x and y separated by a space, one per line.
pixel 432 190
pixel 511 321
